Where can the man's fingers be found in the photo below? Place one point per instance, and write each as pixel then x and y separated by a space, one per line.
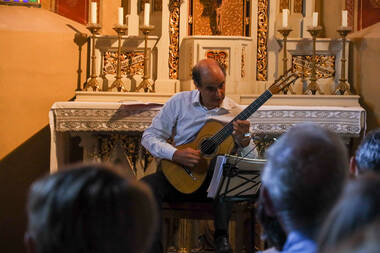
pixel 188 157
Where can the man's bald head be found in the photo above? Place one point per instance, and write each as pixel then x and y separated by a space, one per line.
pixel 204 68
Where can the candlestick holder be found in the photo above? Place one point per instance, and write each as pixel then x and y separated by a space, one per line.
pixel 146 84
pixel 285 32
pixel 93 83
pixel 343 86
pixel 313 86
pixel 118 83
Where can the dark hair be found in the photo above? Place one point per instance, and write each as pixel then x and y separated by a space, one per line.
pixel 196 73
pixel 272 233
pixel 365 240
pixel 304 175
pixel 367 156
pixel 90 209
pixel 358 206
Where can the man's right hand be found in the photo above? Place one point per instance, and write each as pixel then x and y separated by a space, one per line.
pixel 188 157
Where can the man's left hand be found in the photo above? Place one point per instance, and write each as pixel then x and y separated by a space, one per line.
pixel 241 132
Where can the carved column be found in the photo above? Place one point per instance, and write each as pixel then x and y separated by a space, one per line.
pixel 165 83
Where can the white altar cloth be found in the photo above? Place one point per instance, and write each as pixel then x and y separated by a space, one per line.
pixel 69 117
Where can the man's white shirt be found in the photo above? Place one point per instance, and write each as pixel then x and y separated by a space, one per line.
pixel 182 117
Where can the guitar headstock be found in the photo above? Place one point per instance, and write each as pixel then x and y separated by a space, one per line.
pixel 283 82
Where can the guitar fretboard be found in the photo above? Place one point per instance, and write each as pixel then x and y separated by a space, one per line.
pixel 220 136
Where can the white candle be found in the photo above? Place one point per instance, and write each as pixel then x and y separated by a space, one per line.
pixel 344 18
pixel 285 14
pixel 120 15
pixel 94 13
pixel 146 14
pixel 315 19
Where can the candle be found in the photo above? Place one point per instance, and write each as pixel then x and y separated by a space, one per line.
pixel 120 16
pixel 344 18
pixel 146 14
pixel 315 19
pixel 94 13
pixel 285 14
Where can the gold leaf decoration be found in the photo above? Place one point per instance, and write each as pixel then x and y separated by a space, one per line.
pixel 262 39
pixel 174 38
pixel 132 63
pixel 220 56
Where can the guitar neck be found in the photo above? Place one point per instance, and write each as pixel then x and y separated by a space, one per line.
pixel 226 131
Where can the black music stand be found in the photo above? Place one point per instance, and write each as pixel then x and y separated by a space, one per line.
pixel 236 178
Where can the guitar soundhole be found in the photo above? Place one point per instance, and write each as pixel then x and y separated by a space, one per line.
pixel 208 146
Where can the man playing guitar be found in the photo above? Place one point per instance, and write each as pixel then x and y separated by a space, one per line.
pixel 181 118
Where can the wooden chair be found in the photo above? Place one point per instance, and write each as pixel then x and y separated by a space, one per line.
pixel 180 212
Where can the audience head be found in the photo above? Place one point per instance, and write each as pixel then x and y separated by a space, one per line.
pixel 273 234
pixel 365 240
pixel 367 157
pixel 304 175
pixel 358 206
pixel 91 209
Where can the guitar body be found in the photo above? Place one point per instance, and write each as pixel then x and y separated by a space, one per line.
pixel 217 136
pixel 177 175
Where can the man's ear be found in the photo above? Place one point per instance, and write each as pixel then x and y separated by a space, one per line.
pixel 353 168
pixel 30 244
pixel 267 202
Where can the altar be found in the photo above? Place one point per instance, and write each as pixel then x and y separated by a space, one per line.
pixel 111 131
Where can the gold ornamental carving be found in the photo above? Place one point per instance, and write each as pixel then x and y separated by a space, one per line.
pixel 325 66
pixel 132 63
pixel 129 143
pixel 262 39
pixel 221 56
pixel 284 4
pixel 174 38
pixel 243 60
pixel 298 6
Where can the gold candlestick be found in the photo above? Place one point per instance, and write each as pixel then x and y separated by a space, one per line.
pixel 343 86
pixel 118 83
pixel 285 32
pixel 93 83
pixel 146 84
pixel 313 86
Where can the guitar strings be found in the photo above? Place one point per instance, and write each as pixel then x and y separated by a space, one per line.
pixel 219 137
pixel 227 129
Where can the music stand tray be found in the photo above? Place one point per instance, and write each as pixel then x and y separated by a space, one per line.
pixel 235 178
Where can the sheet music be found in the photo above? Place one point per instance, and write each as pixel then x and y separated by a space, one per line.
pixel 246 184
pixel 217 176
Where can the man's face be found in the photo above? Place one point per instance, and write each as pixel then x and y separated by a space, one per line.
pixel 212 87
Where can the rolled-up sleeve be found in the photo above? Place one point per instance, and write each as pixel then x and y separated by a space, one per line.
pixel 155 137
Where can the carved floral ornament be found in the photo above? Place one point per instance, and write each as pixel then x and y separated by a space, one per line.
pixel 221 56
pixel 262 38
pixel 132 63
pixel 346 122
pixel 174 6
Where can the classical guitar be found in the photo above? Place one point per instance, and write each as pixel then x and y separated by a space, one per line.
pixel 214 139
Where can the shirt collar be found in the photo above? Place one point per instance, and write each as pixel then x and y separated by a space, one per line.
pixel 297 239
pixel 225 106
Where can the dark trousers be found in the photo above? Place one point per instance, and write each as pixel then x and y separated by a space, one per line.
pixel 165 192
